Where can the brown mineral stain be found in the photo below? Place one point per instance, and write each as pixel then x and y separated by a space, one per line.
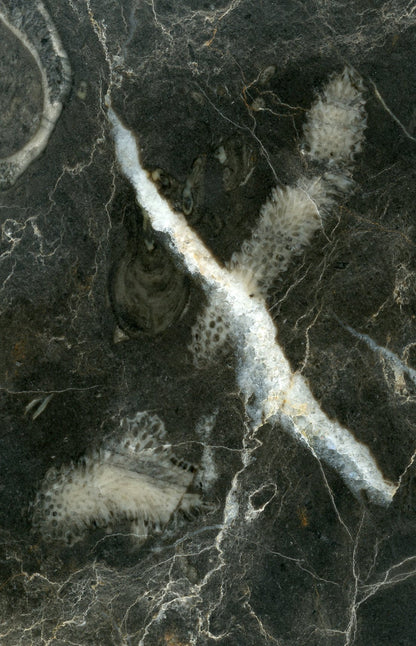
pixel 19 350
pixel 303 517
pixel 172 640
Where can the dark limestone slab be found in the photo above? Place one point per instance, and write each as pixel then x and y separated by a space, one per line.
pixel 284 553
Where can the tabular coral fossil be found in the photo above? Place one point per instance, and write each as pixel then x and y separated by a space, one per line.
pixel 333 133
pixel 134 478
pixel 210 333
pixel 286 225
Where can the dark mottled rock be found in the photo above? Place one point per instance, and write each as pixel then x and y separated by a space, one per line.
pixel 217 95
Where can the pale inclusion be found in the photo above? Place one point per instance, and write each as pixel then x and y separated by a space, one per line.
pixel 398 367
pixel 263 370
pixel 134 477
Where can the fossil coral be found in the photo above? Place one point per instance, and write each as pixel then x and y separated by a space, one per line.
pixel 286 225
pixel 334 129
pixel 210 335
pixel 333 134
pixel 135 478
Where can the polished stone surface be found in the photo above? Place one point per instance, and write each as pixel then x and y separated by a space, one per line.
pixel 284 549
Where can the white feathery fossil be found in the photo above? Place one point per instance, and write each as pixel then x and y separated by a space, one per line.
pixel 135 478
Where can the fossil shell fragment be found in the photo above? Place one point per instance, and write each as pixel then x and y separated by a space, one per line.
pixel 147 291
pixel 36 78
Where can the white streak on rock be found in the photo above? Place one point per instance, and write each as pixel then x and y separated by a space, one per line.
pixel 264 376
pixel 207 473
pixel 399 368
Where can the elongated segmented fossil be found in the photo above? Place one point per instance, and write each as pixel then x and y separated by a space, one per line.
pixel 135 478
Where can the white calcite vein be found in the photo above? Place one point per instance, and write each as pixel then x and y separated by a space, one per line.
pixel 270 389
pixel 399 368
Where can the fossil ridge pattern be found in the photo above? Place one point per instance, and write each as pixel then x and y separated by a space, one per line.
pixel 148 293
pixel 135 478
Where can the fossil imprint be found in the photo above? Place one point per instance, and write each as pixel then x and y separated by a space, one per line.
pixel 148 292
pixel 135 478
